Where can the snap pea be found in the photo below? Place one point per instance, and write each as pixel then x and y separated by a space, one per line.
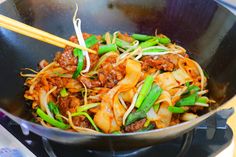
pixel 51 120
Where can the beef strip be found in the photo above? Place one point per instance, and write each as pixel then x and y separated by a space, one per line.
pixel 167 62
pixel 135 126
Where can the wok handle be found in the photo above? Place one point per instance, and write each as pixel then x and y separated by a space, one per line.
pixel 229 104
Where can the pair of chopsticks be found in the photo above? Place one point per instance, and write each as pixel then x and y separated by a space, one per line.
pixel 38 34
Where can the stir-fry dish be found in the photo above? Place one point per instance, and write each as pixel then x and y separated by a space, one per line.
pixel 132 83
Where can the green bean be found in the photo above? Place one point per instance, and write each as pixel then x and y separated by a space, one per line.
pixel 149 43
pixel 174 109
pixel 107 48
pixel 51 120
pixel 141 37
pixel 150 99
pixel 147 85
pixel 134 116
pixel 187 101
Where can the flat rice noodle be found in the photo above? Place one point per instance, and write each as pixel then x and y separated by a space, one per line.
pixel 164 97
pixel 166 81
pixel 181 76
pixel 163 116
pixel 128 95
pixel 105 118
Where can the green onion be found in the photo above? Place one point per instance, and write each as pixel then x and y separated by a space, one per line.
pixel 50 120
pixel 86 107
pixel 122 43
pixel 63 92
pixel 106 48
pixel 141 37
pixel 193 88
pixel 147 123
pixel 116 132
pixel 164 40
pixel 54 109
pixel 149 127
pixel 90 41
pixel 174 109
pixel 187 101
pixel 80 64
pixel 149 43
pixel 156 107
pixel 154 50
pixel 202 100
pixel 134 116
pixel 150 99
pixel 88 117
pixel 147 85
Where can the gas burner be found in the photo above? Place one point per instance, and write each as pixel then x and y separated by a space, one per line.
pixel 208 139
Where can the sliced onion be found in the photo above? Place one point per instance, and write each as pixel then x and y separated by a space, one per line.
pixel 43 97
pixel 152 115
pixel 188 116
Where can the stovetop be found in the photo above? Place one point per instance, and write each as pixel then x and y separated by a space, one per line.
pixel 208 139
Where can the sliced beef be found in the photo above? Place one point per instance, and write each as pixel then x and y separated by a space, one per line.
pixel 69 103
pixel 90 83
pixel 135 126
pixel 82 121
pixel 167 62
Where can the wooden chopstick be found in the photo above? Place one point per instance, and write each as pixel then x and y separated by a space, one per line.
pixel 38 34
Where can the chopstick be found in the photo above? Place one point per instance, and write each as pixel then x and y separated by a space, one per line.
pixel 38 34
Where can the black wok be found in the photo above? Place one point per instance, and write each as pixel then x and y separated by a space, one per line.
pixel 204 28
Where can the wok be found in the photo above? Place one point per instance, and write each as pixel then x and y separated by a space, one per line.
pixel 203 27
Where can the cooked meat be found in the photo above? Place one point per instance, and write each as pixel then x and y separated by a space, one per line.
pixel 69 103
pixel 166 62
pixel 82 121
pixel 135 126
pixel 109 75
pixel 90 83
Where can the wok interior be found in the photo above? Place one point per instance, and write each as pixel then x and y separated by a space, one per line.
pixel 205 29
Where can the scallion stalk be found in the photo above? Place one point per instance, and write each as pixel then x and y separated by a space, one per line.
pixel 51 120
pixel 147 85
